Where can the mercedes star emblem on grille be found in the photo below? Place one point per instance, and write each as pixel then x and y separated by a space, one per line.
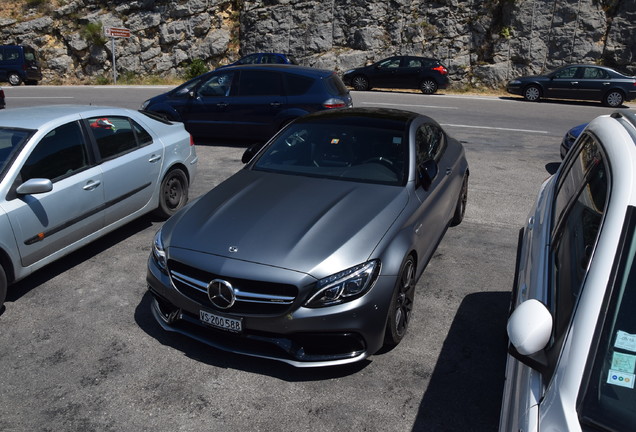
pixel 221 294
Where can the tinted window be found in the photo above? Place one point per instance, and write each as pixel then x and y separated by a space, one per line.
pixel 390 63
pixel 335 86
pixel 298 84
pixel 114 135
pixel 414 63
pixel 609 399
pixel 594 73
pixel 272 58
pixel 581 200
pixel 11 55
pixel 250 59
pixel 217 85
pixel 260 83
pixel 59 154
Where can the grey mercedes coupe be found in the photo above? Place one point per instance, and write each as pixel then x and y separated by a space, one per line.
pixel 310 254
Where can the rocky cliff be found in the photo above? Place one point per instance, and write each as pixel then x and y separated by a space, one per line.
pixel 482 42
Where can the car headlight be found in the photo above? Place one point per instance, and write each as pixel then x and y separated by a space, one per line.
pixel 145 105
pixel 158 253
pixel 345 285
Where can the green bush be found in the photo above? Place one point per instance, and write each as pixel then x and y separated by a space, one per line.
pixel 93 33
pixel 194 69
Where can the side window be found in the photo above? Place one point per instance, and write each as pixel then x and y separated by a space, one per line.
pixel 250 59
pixel 217 85
pixel 566 73
pixel 114 135
pixel 260 83
pixel 298 84
pixel 579 208
pixel 11 54
pixel 60 153
pixel 390 63
pixel 271 58
pixel 414 63
pixel 430 142
pixel 143 136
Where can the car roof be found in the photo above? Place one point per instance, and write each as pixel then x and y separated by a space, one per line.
pixel 36 117
pixel 368 112
pixel 306 70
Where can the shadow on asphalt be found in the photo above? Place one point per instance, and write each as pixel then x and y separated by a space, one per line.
pixel 214 357
pixel 79 256
pixel 464 393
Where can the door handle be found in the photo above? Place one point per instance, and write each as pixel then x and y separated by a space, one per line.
pixel 154 158
pixel 275 104
pixel 222 104
pixel 449 171
pixel 574 83
pixel 90 185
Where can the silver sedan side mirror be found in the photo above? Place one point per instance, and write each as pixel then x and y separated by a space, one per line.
pixel 35 186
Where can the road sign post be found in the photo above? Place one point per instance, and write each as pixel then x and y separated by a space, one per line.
pixel 112 33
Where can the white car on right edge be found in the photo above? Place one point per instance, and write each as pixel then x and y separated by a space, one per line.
pixel 572 330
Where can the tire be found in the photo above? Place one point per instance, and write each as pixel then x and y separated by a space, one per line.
pixel 614 99
pixel 460 208
pixel 3 286
pixel 428 86
pixel 360 83
pixel 532 93
pixel 14 79
pixel 173 194
pixel 401 304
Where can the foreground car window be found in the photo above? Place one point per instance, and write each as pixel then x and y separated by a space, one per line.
pixel 61 153
pixel 115 135
pixel 610 397
pixel 11 141
pixel 355 153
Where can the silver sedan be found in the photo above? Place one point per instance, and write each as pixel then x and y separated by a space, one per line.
pixel 70 174
pixel 311 253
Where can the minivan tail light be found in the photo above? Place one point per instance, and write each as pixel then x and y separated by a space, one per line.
pixel 441 69
pixel 334 103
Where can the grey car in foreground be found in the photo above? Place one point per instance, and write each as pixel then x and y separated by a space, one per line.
pixel 70 174
pixel 310 254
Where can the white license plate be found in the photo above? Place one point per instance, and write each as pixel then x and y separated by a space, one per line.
pixel 220 322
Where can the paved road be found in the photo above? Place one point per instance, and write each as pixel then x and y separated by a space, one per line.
pixel 79 349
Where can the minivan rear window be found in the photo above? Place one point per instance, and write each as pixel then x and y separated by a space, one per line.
pixel 336 86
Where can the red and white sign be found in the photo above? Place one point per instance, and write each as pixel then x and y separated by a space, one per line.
pixel 117 32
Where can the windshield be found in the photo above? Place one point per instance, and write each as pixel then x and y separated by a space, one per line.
pixel 353 152
pixel 11 141
pixel 609 401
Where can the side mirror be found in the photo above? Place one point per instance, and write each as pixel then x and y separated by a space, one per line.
pixel 251 152
pixel 35 186
pixel 529 330
pixel 426 173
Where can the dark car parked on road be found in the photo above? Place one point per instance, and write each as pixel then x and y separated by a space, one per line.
pixel 586 82
pixel 18 64
pixel 311 253
pixel 404 72
pixel 250 101
pixel 264 58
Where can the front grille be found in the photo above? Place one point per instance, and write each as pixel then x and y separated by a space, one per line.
pixel 252 297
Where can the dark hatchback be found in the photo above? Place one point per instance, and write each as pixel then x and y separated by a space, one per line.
pixel 404 72
pixel 581 81
pixel 250 101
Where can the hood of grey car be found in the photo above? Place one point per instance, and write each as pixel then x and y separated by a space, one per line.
pixel 315 226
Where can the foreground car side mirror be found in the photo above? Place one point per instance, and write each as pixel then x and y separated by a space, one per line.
pixel 251 152
pixel 426 173
pixel 35 186
pixel 529 330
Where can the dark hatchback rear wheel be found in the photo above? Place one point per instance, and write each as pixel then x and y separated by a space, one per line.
pixel 173 194
pixel 428 86
pixel 360 83
pixel 401 304
pixel 614 99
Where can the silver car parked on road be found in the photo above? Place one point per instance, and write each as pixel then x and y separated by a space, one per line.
pixel 310 254
pixel 69 174
pixel 572 353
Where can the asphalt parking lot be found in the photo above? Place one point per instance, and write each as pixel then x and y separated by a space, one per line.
pixel 79 349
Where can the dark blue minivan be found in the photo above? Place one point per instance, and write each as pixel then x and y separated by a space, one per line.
pixel 18 64
pixel 250 101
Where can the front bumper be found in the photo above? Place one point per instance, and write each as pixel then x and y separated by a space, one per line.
pixel 301 337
